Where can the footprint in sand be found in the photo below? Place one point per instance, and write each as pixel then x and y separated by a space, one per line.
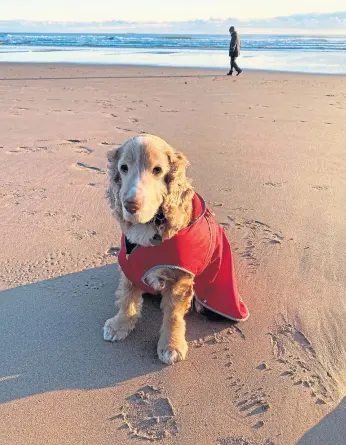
pixel 256 233
pixel 133 120
pixel 249 401
pixel 297 360
pixel 274 184
pixel 241 440
pixel 83 234
pixel 103 101
pixel 30 212
pixel 85 150
pixel 226 336
pixel 76 141
pixel 320 187
pixel 254 405
pixel 108 143
pixel 225 189
pixel 127 130
pixel 262 366
pixel 26 149
pixel 76 217
pixel 148 415
pixel 82 166
pixel 51 213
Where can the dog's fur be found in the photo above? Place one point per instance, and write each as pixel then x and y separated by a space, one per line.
pixel 148 171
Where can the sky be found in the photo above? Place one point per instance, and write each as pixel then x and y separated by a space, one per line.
pixel 160 10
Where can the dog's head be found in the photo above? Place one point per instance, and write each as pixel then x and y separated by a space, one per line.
pixel 145 175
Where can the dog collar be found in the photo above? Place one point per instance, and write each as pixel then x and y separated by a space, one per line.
pixel 159 218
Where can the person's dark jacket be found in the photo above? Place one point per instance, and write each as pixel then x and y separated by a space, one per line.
pixel 234 46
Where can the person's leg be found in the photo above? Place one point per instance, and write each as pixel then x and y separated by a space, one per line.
pixel 230 72
pixel 232 64
pixel 236 66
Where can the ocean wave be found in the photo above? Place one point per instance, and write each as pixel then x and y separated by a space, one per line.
pixel 175 42
pixel 153 51
pixel 177 37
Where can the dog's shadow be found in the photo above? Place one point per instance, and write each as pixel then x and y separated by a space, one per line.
pixel 51 336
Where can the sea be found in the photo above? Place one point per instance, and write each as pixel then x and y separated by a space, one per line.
pixel 273 52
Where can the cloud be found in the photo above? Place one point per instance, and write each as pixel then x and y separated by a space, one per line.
pixel 332 22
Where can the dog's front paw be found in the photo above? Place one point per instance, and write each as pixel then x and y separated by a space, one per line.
pixel 170 355
pixel 115 331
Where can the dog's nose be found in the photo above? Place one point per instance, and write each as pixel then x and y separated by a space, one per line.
pixel 132 205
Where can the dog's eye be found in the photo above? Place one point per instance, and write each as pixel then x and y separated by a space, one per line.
pixel 124 168
pixel 157 171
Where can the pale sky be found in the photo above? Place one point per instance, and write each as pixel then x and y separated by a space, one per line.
pixel 160 10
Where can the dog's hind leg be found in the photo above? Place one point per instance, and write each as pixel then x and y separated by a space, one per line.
pixel 129 302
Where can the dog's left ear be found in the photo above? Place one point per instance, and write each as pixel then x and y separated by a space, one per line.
pixel 179 193
pixel 178 165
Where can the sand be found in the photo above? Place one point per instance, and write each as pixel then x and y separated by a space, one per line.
pixel 267 152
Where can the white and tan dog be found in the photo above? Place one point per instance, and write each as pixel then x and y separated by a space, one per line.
pixel 145 175
pixel 171 244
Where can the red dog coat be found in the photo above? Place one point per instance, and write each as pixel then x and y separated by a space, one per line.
pixel 202 250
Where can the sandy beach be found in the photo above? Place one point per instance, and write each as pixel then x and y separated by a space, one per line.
pixel 267 152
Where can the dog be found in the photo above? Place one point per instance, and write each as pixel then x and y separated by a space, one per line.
pixel 171 244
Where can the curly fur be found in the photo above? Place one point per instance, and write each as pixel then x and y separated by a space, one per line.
pixel 171 192
pixel 177 192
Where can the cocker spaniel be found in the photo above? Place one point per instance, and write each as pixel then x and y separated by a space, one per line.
pixel 171 244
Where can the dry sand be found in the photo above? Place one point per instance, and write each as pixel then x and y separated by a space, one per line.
pixel 268 152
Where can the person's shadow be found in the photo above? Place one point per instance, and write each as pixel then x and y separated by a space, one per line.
pixel 331 430
pixel 51 336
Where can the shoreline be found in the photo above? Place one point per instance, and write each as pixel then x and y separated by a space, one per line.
pixel 189 71
pixel 283 53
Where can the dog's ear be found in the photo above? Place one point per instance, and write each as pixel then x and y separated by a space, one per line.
pixel 179 192
pixel 114 180
pixel 178 165
pixel 113 157
pixel 115 153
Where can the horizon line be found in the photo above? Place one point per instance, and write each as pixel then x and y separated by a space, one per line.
pixel 294 15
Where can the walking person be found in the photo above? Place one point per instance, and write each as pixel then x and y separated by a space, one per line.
pixel 234 51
